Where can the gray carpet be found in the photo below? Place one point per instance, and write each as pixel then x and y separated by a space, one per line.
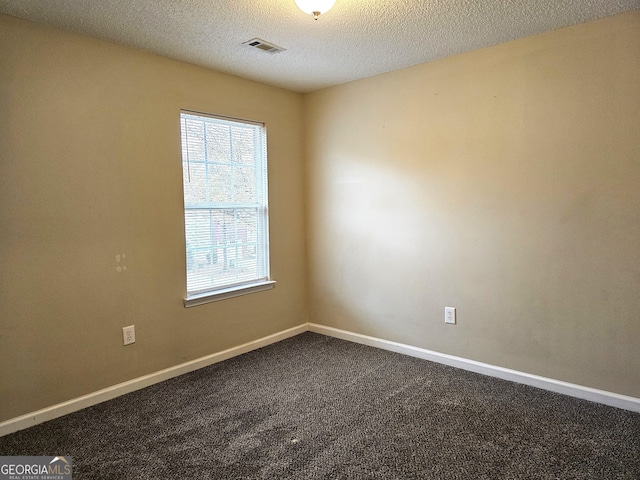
pixel 314 407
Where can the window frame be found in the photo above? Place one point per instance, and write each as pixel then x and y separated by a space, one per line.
pixel 229 290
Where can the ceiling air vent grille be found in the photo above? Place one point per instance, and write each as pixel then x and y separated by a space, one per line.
pixel 264 46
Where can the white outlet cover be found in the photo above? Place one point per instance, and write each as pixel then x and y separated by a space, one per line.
pixel 450 315
pixel 128 335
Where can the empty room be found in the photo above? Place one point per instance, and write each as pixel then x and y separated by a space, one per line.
pixel 297 239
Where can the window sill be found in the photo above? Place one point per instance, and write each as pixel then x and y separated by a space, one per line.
pixel 208 297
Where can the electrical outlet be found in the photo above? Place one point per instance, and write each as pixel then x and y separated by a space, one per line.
pixel 450 315
pixel 128 335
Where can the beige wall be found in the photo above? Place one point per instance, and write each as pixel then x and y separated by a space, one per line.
pixel 504 182
pixel 90 168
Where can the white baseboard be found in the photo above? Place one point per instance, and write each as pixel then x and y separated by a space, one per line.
pixel 55 411
pixel 573 390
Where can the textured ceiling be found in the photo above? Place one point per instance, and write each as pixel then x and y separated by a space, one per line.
pixel 356 39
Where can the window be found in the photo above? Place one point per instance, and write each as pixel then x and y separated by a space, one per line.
pixel 224 170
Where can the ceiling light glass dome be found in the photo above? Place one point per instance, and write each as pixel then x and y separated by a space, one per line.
pixel 315 7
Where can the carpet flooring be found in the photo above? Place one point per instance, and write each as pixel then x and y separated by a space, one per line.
pixel 314 407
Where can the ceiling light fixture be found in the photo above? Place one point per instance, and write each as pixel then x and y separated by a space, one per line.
pixel 315 7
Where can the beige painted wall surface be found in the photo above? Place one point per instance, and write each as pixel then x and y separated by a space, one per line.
pixel 504 182
pixel 90 168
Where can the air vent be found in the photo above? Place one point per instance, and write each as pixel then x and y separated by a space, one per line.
pixel 264 46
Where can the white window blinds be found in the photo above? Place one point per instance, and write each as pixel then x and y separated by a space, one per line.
pixel 224 168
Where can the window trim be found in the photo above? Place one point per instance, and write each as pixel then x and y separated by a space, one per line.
pixel 230 292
